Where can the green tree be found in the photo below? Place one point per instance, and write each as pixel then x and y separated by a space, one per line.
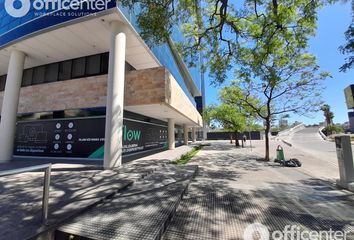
pixel 218 29
pixel 328 114
pixel 348 48
pixel 230 118
pixel 291 87
pixel 262 42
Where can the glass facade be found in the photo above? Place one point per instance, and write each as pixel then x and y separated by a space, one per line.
pixel 163 53
pixel 70 69
pixel 12 28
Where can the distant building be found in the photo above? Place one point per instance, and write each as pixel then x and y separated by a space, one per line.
pixel 283 123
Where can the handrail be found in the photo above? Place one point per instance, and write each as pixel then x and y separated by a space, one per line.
pixel 46 184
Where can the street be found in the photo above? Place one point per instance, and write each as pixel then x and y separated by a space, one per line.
pixel 309 140
pixel 318 156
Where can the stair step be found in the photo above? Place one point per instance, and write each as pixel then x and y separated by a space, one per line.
pixel 142 211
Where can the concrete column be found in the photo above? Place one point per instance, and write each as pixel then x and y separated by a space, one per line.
pixel 194 135
pixel 10 104
pixel 171 134
pixel 185 134
pixel 115 97
pixel 205 131
pixel 179 135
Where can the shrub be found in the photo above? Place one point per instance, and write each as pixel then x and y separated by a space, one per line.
pixel 332 129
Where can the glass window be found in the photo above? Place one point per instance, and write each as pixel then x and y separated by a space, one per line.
pixel 38 75
pixel 51 72
pixel 93 65
pixel 27 77
pixel 2 82
pixel 78 67
pixel 104 63
pixel 65 70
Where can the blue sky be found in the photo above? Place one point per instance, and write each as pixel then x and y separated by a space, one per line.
pixel 333 21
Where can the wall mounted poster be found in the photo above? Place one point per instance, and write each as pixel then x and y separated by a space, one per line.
pixel 83 137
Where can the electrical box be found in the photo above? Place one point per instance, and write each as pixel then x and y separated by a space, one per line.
pixel 345 162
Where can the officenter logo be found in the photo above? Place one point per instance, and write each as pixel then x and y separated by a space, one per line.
pixel 293 232
pixel 20 8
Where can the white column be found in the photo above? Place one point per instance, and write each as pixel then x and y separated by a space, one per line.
pixel 205 131
pixel 10 104
pixel 115 97
pixel 194 135
pixel 179 134
pixel 185 134
pixel 171 134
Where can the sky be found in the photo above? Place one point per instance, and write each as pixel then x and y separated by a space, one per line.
pixel 333 21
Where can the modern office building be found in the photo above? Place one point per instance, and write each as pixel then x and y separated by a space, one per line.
pixel 78 82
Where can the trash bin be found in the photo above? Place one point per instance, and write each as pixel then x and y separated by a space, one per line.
pixel 280 153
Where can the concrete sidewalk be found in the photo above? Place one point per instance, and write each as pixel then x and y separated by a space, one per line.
pixel 168 155
pixel 234 189
pixel 322 167
pixel 73 188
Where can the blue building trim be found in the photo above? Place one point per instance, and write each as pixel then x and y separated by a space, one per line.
pixel 13 29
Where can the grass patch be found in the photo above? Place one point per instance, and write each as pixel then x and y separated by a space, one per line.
pixel 185 158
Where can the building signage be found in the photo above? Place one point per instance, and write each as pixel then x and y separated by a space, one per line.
pixel 21 18
pixel 349 96
pixel 84 138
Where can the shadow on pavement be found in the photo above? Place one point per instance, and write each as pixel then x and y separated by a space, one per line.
pixel 220 203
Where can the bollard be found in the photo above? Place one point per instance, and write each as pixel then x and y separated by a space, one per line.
pixel 345 162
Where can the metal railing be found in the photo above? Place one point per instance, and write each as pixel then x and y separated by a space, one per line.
pixel 46 184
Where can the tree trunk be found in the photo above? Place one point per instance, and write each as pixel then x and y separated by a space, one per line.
pixel 230 138
pixel 237 144
pixel 267 130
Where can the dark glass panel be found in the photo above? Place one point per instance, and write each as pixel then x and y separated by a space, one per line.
pixel 2 82
pixel 78 67
pixel 38 75
pixel 51 72
pixel 104 63
pixel 27 77
pixel 65 70
pixel 93 65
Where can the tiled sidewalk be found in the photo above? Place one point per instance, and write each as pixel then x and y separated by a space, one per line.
pixel 73 188
pixel 233 190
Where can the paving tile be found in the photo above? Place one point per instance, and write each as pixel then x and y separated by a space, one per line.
pixel 139 212
pixel 233 190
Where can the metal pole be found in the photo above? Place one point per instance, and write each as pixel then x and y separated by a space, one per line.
pixel 249 133
pixel 45 200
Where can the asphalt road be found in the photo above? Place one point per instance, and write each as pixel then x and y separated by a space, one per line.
pixel 310 141
pixel 318 156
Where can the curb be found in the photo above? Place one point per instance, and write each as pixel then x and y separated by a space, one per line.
pixel 322 134
pixel 287 143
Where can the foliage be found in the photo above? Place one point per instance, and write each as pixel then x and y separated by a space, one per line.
pixel 185 158
pixel 348 48
pixel 255 127
pixel 207 114
pixel 262 42
pixel 332 129
pixel 328 114
pixel 221 29
pixel 289 84
pixel 229 117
